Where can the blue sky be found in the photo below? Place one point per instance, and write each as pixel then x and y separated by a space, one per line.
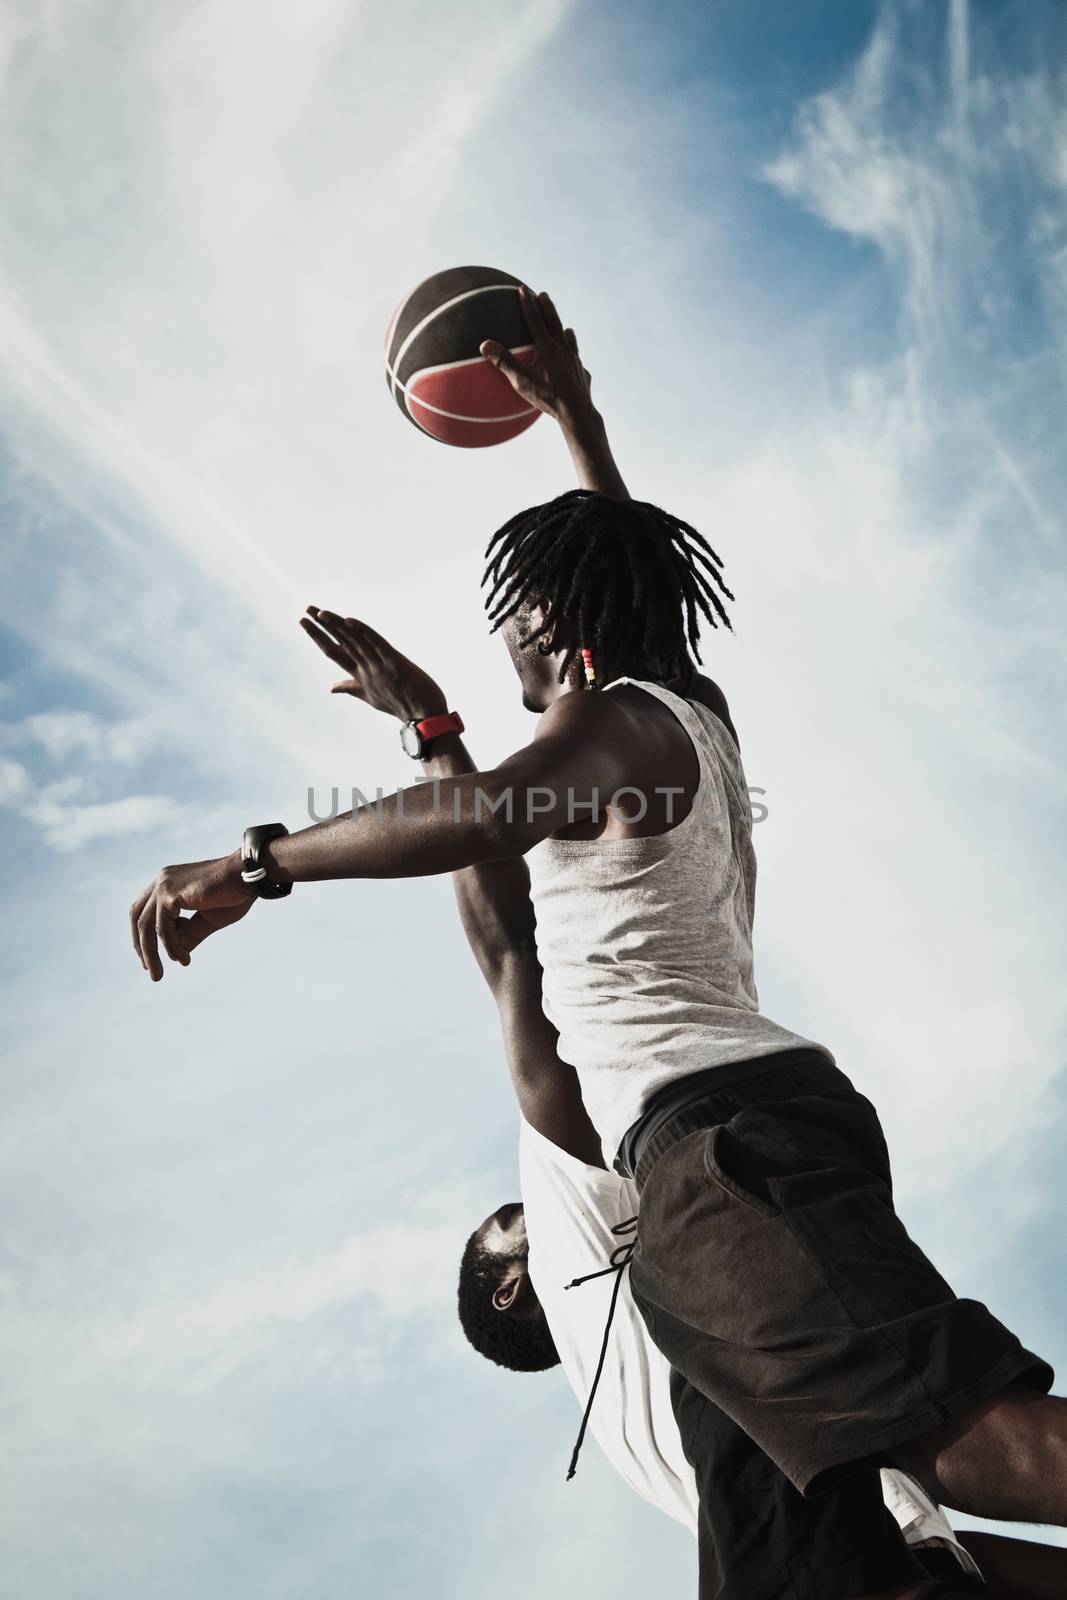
pixel 817 258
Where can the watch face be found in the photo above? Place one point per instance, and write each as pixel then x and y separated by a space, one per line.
pixel 411 740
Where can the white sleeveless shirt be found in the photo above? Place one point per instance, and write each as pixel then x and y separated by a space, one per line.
pixel 646 944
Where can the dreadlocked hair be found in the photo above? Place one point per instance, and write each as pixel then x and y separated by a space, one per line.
pixel 633 580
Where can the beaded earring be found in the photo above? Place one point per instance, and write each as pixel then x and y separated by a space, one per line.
pixel 590 674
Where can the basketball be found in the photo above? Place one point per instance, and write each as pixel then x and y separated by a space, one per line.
pixel 432 363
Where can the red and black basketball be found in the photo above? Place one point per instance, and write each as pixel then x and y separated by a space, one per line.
pixel 432 365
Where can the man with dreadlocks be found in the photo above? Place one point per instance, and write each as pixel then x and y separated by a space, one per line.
pixel 770 1266
pixel 520 1264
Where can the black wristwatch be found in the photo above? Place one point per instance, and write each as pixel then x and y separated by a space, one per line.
pixel 253 873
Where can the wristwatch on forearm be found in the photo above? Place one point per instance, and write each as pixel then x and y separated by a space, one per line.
pixel 417 735
pixel 253 873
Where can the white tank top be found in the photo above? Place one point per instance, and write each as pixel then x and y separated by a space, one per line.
pixel 646 944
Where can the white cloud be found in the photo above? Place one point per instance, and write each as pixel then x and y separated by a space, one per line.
pixel 873 183
pixel 933 177
pixel 14 782
pixel 65 734
pixel 87 748
pixel 70 826
pixel 404 1267
pixel 930 602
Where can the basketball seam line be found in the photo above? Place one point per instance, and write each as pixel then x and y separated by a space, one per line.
pixel 486 288
pixel 456 416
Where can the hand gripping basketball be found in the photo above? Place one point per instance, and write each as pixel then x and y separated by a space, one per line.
pixel 555 382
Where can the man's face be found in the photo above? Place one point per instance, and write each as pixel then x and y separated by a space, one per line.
pixel 503 1236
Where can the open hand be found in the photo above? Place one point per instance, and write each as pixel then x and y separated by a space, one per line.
pixel 212 890
pixel 376 671
pixel 556 383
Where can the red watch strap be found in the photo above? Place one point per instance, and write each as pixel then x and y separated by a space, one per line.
pixel 434 727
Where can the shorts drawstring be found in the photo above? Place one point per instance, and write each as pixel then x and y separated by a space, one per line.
pixel 624 1251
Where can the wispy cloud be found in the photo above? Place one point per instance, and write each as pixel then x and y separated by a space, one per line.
pixel 928 149
pixel 81 753
pixel 64 734
pixel 404 1268
pixel 940 579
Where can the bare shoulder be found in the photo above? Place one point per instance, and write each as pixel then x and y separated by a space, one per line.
pixel 707 693
pixel 578 713
pixel 586 716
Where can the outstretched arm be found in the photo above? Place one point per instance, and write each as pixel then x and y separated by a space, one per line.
pixel 456 822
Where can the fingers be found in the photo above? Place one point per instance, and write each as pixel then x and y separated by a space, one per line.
pixel 135 917
pixel 330 619
pixel 182 935
pixel 147 941
pixel 503 360
pixel 339 653
pixel 535 321
pixel 168 929
pixel 345 629
pixel 362 633
pixel 572 341
pixel 319 634
pixel 192 931
pixel 350 643
pixel 156 915
pixel 550 315
pixel 349 631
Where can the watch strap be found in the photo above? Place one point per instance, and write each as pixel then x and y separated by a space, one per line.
pixel 253 873
pixel 433 727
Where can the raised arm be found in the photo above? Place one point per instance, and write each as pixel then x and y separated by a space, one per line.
pixel 493 898
pixel 558 384
pixel 498 920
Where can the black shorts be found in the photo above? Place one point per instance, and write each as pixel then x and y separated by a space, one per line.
pixel 759 1538
pixel 775 1276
